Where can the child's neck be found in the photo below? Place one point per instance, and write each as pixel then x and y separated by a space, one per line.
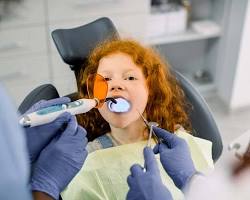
pixel 135 132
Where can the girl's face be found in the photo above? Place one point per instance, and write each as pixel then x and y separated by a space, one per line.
pixel 125 79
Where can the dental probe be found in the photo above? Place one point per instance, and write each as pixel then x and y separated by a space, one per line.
pixel 149 125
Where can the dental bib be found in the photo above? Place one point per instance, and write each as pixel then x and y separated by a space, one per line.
pixel 104 173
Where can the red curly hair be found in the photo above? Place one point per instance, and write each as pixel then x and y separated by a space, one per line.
pixel 166 102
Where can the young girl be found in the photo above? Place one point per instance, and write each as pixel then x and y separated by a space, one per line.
pixel 138 75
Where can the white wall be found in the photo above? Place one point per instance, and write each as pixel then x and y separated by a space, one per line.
pixel 241 88
pixel 232 78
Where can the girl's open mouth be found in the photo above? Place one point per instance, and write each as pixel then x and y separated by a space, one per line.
pixel 122 105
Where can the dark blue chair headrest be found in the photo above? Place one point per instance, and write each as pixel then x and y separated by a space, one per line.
pixel 43 92
pixel 75 44
pixel 203 123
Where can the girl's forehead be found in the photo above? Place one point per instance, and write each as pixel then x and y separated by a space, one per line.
pixel 117 61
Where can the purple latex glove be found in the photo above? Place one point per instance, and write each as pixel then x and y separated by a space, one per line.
pixel 147 185
pixel 175 157
pixel 60 160
pixel 38 137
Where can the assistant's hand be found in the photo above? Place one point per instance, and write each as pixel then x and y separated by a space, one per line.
pixel 60 161
pixel 38 137
pixel 147 185
pixel 175 157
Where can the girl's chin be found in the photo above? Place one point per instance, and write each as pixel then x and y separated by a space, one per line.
pixel 120 125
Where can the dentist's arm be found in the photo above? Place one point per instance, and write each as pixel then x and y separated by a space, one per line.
pixel 59 161
pixel 14 168
pixel 147 185
pixel 175 158
pixel 38 137
pixel 65 153
pixel 54 139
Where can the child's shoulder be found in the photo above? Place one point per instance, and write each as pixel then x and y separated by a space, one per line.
pixel 102 142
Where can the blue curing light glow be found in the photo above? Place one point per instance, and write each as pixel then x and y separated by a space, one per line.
pixel 121 105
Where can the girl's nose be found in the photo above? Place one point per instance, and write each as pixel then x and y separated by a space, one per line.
pixel 116 85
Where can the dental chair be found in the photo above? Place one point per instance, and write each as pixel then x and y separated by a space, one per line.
pixel 75 44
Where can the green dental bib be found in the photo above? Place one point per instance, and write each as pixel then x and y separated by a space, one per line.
pixel 104 173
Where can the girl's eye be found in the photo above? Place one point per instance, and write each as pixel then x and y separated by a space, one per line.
pixel 107 79
pixel 130 78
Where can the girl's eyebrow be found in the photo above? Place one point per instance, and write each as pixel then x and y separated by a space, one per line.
pixel 130 70
pixel 109 71
pixel 105 71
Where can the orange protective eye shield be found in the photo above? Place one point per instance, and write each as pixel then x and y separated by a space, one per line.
pixel 97 87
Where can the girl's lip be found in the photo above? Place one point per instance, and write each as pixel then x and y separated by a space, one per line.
pixel 118 96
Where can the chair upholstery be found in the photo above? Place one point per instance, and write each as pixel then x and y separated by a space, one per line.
pixel 43 92
pixel 203 123
pixel 74 46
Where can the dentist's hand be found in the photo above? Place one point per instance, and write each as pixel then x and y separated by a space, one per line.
pixel 60 160
pixel 175 157
pixel 38 137
pixel 147 185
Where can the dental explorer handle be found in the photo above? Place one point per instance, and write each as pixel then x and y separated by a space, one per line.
pixel 49 114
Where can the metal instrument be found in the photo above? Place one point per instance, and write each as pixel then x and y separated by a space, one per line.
pixel 150 125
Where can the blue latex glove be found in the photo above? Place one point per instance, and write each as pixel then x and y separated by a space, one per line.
pixel 38 137
pixel 175 157
pixel 60 161
pixel 147 185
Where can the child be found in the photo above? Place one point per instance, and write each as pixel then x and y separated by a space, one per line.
pixel 140 76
